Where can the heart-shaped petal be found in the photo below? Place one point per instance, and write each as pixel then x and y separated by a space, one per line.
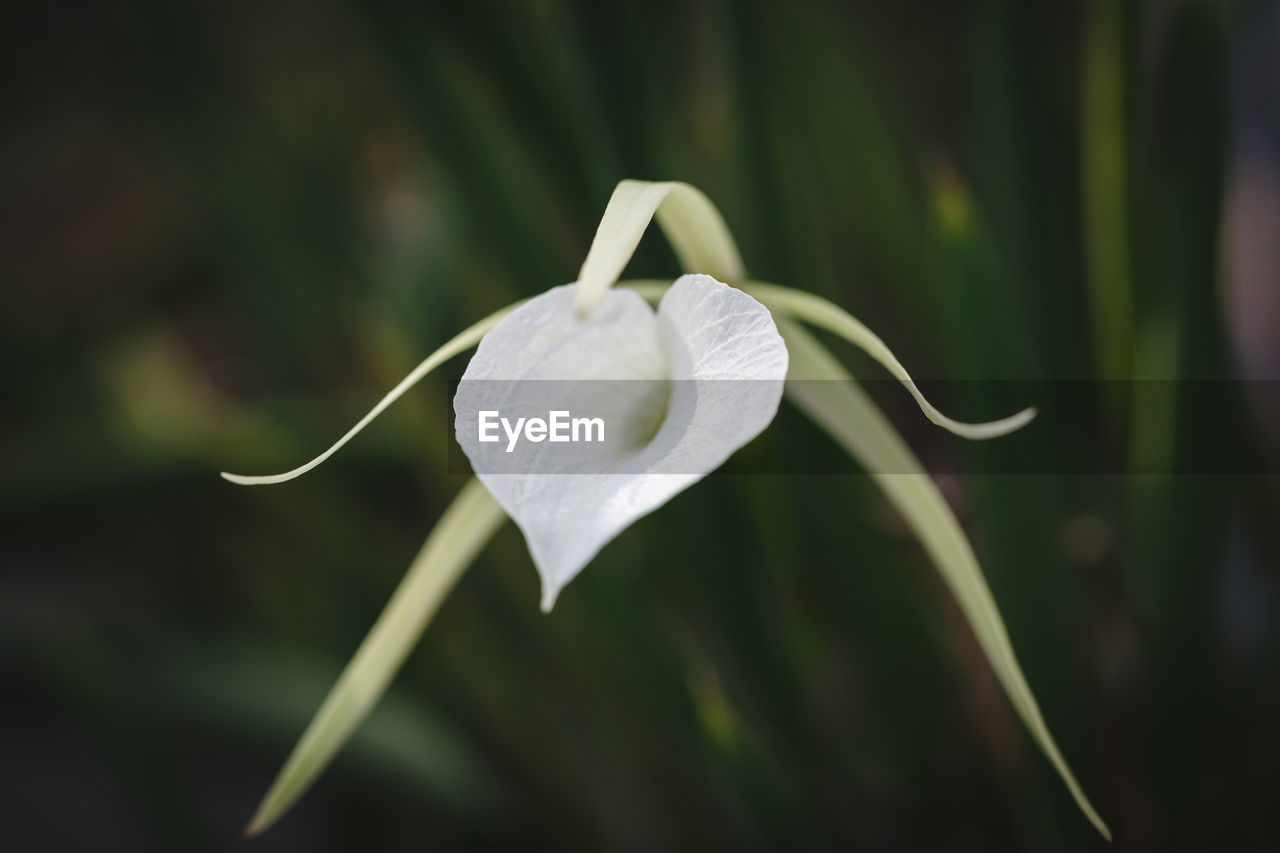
pixel 675 392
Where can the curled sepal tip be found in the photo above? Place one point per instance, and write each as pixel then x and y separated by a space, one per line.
pixel 819 312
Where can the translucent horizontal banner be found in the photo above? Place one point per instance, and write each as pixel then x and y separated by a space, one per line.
pixel 1082 427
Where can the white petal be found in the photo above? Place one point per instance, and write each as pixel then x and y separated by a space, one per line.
pixel 679 391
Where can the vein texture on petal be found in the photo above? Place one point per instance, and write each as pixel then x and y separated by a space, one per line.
pixel 681 388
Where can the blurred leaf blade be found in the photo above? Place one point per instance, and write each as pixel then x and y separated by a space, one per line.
pixel 1105 181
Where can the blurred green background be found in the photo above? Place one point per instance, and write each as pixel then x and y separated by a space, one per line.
pixel 229 227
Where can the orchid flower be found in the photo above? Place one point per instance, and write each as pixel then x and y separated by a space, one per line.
pixel 681 389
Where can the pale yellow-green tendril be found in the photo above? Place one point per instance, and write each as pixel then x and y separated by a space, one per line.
pixel 847 414
pixel 465 528
pixel 787 301
pixel 693 226
pixel 460 343
pixel 817 311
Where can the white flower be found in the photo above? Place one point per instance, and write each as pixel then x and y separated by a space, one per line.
pixel 680 389
pixel 683 389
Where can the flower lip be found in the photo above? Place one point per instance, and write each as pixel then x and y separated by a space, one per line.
pixel 707 368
